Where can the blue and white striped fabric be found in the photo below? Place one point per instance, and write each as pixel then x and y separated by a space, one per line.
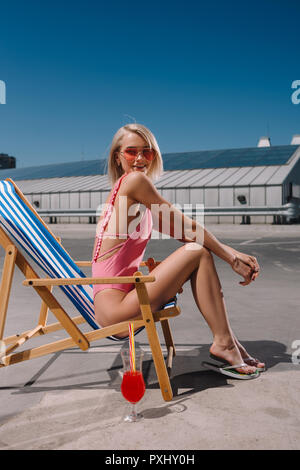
pixel 171 303
pixel 21 224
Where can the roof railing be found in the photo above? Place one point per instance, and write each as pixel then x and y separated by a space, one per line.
pixel 286 213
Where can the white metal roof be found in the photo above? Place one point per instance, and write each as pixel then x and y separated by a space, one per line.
pixel 199 178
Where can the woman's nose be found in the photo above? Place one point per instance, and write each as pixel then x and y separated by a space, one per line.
pixel 140 156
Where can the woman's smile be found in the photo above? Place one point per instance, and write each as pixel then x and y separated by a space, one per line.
pixel 139 167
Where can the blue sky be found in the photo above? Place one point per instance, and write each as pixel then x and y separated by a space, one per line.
pixel 200 75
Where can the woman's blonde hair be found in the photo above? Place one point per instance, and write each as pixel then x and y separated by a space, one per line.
pixel 115 171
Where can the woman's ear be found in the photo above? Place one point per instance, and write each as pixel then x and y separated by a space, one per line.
pixel 117 159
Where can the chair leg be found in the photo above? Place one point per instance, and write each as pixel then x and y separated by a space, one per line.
pixel 22 340
pixel 62 317
pixel 151 264
pixel 6 282
pixel 169 344
pixel 159 361
pixel 44 311
pixel 53 305
pixel 158 358
pixel 168 334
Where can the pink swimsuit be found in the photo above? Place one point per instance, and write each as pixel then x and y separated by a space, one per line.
pixel 126 261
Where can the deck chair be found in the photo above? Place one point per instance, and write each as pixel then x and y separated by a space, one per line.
pixel 26 238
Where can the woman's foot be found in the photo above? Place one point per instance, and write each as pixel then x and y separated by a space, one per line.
pixel 230 353
pixel 251 361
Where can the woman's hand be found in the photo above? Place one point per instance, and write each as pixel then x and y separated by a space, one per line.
pixel 247 266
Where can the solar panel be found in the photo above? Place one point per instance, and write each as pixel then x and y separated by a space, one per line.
pixel 60 170
pixel 243 157
pixel 262 156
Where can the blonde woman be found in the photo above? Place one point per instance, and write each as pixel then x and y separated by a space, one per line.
pixel 122 235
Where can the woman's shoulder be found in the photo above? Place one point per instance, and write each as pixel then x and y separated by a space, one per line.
pixel 139 187
pixel 136 178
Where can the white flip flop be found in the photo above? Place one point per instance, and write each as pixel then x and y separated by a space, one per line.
pixel 230 371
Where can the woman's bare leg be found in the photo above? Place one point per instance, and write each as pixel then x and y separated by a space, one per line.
pixel 112 306
pixel 209 298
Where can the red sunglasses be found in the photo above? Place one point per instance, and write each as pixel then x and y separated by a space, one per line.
pixel 130 153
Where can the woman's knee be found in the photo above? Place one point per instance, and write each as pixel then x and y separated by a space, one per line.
pixel 206 253
pixel 199 251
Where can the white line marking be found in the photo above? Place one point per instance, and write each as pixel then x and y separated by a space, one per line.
pixel 116 349
pixel 281 266
pixel 247 242
pixel 272 243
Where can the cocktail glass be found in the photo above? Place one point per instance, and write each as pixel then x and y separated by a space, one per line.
pixel 133 385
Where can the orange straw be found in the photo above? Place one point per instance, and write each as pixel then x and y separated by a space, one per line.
pixel 131 347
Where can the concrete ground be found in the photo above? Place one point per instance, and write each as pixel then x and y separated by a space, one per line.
pixel 72 399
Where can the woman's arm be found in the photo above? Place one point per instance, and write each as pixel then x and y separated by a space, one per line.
pixel 178 225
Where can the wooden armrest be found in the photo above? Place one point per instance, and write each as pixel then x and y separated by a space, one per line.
pixel 87 280
pixel 150 263
pixel 83 263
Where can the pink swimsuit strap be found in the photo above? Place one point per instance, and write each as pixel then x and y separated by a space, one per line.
pixel 106 217
pixel 112 249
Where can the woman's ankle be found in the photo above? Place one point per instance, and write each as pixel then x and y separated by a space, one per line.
pixel 225 343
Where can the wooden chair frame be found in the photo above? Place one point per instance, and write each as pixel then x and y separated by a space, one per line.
pixel 43 287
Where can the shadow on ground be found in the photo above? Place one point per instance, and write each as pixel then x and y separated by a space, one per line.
pixel 187 377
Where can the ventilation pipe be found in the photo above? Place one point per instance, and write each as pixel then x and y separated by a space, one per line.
pixel 296 140
pixel 264 142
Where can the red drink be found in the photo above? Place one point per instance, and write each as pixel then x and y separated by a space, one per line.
pixel 133 386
